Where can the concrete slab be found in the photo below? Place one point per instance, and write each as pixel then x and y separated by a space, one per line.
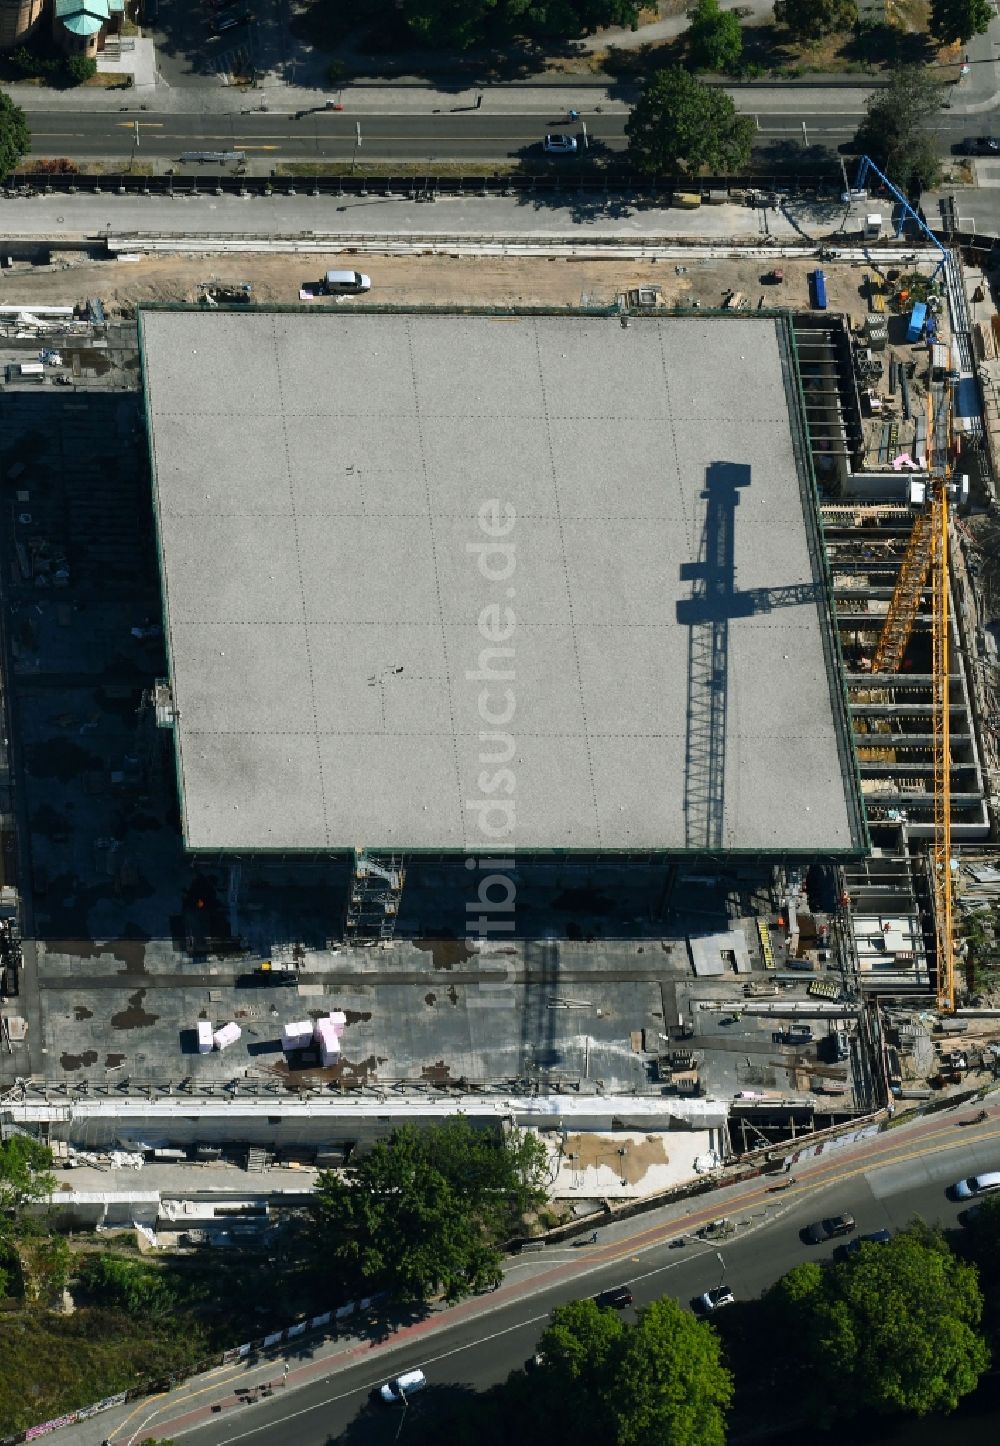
pixel 325 486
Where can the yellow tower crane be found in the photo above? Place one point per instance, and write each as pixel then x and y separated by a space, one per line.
pixel 927 552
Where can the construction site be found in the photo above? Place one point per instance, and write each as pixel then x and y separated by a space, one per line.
pixel 736 542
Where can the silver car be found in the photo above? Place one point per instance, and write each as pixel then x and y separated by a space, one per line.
pixel 975 1185
pixel 556 145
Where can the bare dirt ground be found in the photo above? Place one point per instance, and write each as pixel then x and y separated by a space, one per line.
pixel 429 279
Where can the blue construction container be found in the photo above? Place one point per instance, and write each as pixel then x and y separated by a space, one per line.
pixel 818 290
pixel 917 318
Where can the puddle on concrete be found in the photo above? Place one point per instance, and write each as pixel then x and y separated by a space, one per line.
pixel 130 952
pixel 79 1061
pixel 453 994
pixel 446 953
pixel 112 1061
pixel 133 1016
pixel 92 360
pixel 348 1073
pixel 430 999
pixel 437 1074
pixel 81 1012
pixel 357 1016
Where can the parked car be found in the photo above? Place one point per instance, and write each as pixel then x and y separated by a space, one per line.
pixel 871 1237
pixel 619 1297
pixel 829 1229
pixel 981 146
pixel 399 1390
pixel 556 145
pixel 346 283
pixel 975 1185
pixel 714 1300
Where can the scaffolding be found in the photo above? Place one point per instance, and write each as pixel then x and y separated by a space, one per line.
pixel 374 896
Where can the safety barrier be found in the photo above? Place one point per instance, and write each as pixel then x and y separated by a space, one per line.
pixel 771 187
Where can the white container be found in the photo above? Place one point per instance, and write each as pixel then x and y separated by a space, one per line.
pixel 205 1041
pixel 328 1041
pixel 227 1035
pixel 297 1035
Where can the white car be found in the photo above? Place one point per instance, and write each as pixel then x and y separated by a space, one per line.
pixel 716 1299
pixel 399 1390
pixel 555 145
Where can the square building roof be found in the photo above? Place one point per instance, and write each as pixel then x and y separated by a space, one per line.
pixel 463 582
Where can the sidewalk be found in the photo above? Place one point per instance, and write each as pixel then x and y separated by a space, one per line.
pixel 747 1205
pixel 816 96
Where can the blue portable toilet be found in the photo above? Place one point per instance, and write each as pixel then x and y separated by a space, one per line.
pixel 819 290
pixel 917 318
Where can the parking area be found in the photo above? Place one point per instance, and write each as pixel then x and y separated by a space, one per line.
pixel 231 42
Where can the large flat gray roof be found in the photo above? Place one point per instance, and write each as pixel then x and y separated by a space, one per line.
pixel 322 484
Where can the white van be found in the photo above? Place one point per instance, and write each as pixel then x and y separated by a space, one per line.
pixel 399 1390
pixel 346 283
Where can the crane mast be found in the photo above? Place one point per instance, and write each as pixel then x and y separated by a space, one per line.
pixel 927 553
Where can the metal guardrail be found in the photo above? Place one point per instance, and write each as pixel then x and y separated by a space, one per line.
pixel 566 183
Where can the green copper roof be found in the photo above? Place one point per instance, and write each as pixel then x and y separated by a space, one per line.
pixel 83 17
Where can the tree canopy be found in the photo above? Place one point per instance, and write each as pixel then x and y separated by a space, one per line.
pixel 25 1174
pixel 427 1210
pixel 601 1381
pixel 714 37
pixel 897 134
pixel 679 124
pixel 892 1329
pixel 957 21
pixel 466 24
pixel 808 18
pixel 15 137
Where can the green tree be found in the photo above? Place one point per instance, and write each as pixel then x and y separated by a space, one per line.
pixel 680 124
pixel 957 21
pixel 45 1267
pixel 982 1239
pixel 463 24
pixel 897 132
pixel 133 1286
pixel 600 1381
pixel 894 1328
pixel 670 1383
pixel 25 1165
pixel 427 1210
pixel 714 37
pixel 15 137
pixel 806 19
pixel 79 68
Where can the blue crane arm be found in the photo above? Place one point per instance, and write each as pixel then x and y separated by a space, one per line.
pixel 865 165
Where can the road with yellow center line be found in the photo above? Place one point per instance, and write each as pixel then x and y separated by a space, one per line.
pixel 883 1181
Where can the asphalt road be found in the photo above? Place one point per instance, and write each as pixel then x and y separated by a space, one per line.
pixel 474 1355
pixel 328 136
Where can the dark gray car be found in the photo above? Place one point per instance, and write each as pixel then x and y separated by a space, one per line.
pixel 828 1229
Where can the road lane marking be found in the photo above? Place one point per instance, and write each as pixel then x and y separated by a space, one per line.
pixel 147 125
pixel 331 1400
pixel 609 1255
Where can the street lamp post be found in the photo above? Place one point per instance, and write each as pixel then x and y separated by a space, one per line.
pixel 402 1418
pixel 722 1266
